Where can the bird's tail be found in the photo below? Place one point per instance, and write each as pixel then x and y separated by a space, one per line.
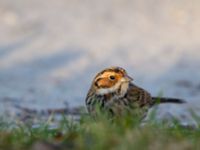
pixel 158 100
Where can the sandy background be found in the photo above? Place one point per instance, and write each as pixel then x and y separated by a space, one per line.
pixel 50 50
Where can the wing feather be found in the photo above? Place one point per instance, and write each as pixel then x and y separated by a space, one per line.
pixel 139 96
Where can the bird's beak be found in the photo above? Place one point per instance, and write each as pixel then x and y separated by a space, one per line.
pixel 128 78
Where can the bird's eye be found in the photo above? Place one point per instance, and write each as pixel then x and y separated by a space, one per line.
pixel 112 77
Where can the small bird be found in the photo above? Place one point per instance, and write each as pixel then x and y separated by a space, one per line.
pixel 114 92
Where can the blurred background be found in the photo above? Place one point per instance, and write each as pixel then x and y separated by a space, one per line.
pixel 51 50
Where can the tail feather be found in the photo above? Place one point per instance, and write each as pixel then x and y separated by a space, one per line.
pixel 158 100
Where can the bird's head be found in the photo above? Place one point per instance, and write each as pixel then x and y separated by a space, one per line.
pixel 110 80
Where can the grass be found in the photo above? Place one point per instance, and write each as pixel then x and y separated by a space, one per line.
pixel 98 134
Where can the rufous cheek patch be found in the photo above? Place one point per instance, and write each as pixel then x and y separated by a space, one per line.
pixel 105 83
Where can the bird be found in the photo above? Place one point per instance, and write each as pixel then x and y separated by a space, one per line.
pixel 114 92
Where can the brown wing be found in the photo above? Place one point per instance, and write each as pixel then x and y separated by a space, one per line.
pixel 138 95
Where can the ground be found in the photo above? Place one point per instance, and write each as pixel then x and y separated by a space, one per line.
pixel 51 50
